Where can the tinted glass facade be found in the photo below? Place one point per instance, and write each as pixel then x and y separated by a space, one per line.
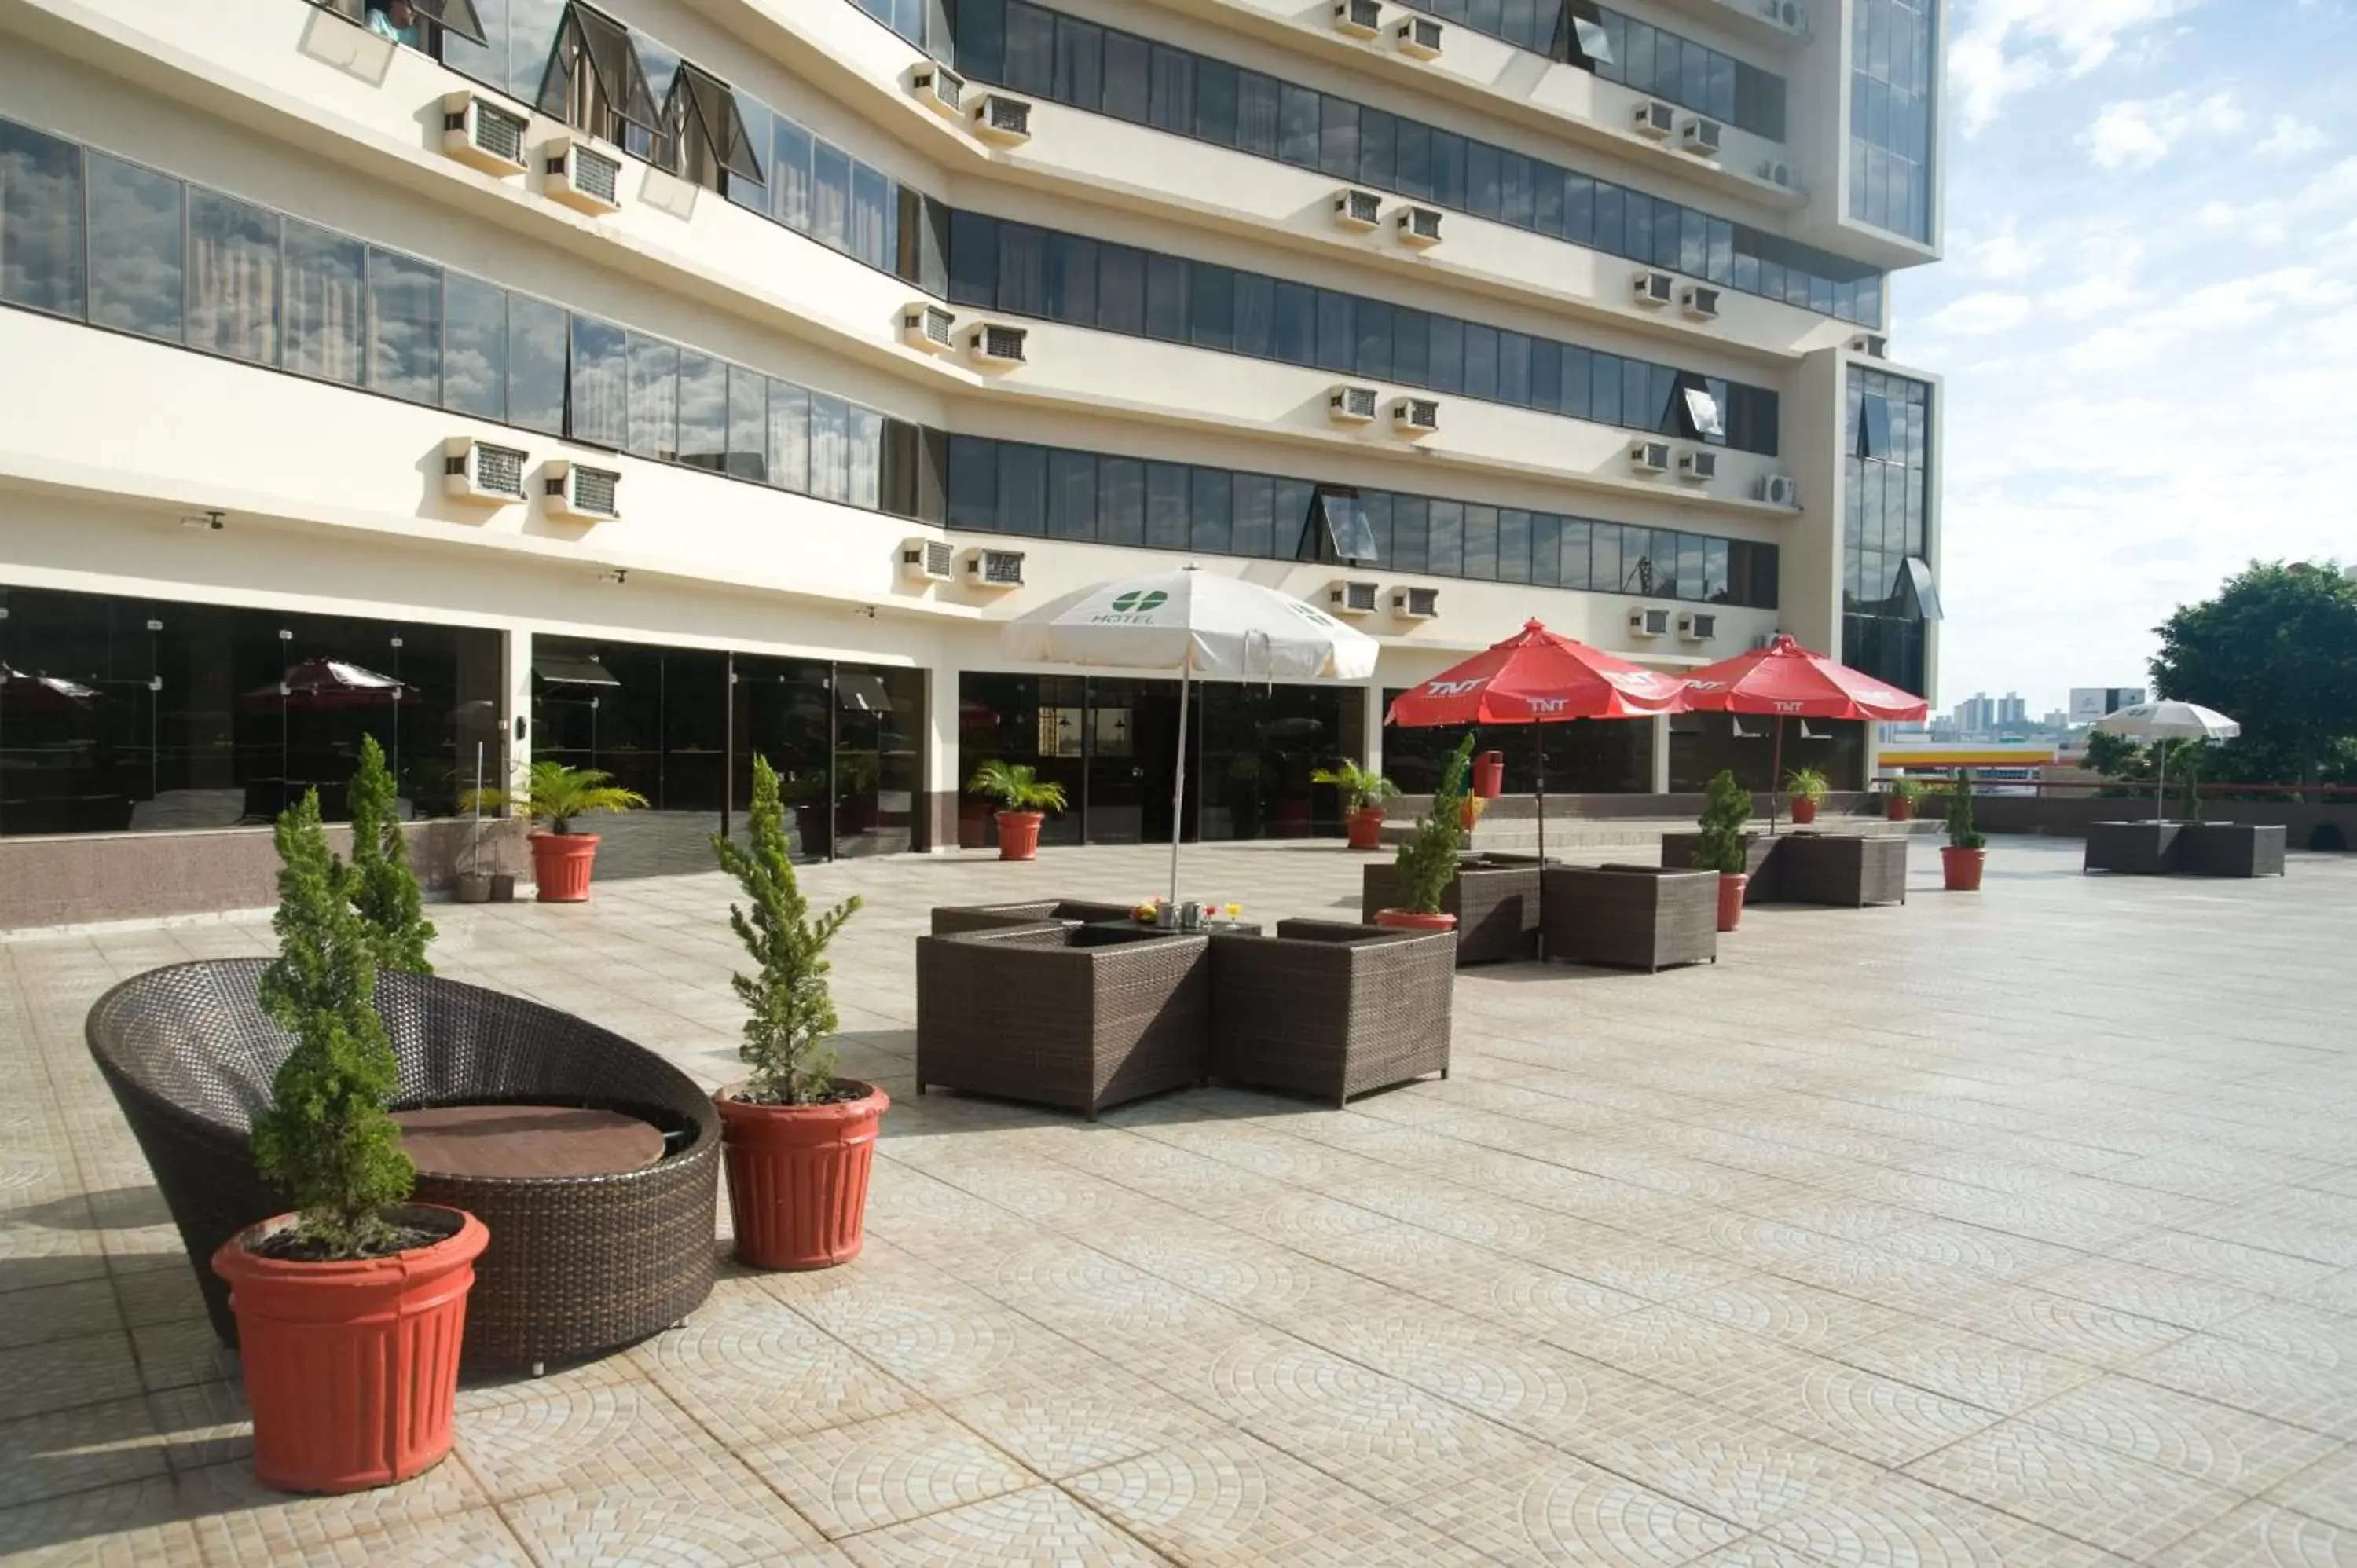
pixel 1886 524
pixel 1702 744
pixel 1585 757
pixel 1894 51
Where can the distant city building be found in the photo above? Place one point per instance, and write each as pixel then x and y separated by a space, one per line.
pixel 2088 703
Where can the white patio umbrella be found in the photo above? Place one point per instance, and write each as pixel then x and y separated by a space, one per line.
pixel 2168 720
pixel 1196 623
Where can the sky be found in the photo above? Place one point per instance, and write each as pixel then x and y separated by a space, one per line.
pixel 2147 317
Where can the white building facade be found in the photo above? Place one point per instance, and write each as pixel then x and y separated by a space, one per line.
pixel 657 384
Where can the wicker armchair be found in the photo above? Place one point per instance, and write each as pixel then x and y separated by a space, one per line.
pixel 1495 898
pixel 1332 1009
pixel 2231 849
pixel 576 1265
pixel 1633 917
pixel 951 919
pixel 1080 1016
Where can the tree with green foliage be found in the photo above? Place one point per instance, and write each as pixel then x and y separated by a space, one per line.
pixel 1426 863
pixel 556 794
pixel 384 889
pixel 1016 786
pixel 327 1137
pixel 1962 834
pixel 790 1014
pixel 2275 650
pixel 1359 787
pixel 1726 813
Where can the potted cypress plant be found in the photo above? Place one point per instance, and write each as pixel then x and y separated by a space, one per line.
pixel 798 1141
pixel 1427 859
pixel 1024 801
pixel 1363 792
pixel 1726 813
pixel 1966 851
pixel 1898 799
pixel 350 1310
pixel 385 888
pixel 1808 789
pixel 557 794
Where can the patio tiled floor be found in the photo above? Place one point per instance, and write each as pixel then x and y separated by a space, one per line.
pixel 2012 1230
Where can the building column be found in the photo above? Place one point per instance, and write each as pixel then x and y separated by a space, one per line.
pixel 1371 724
pixel 516 708
pixel 1661 754
pixel 937 805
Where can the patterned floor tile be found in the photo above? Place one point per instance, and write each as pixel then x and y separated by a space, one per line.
pixel 62 1373
pixel 241 1520
pixel 753 1371
pixel 1081 1422
pixel 2248 1377
pixel 2196 1438
pixel 1041 1525
pixel 140 1524
pixel 2265 1535
pixel 847 1479
pixel 1563 1509
pixel 2077 1489
pixel 76 1449
pixel 1899 1524
pixel 2326 1489
pixel 1992 1373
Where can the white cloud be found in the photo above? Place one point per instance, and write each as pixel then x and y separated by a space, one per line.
pixel 2289 138
pixel 2138 134
pixel 2009 47
pixel 1977 315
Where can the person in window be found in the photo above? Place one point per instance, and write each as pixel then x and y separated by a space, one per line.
pixel 395 19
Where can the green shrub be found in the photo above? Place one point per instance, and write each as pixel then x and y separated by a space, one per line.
pixel 1807 784
pixel 1427 858
pixel 1962 834
pixel 1726 813
pixel 1016 787
pixel 384 889
pixel 1359 787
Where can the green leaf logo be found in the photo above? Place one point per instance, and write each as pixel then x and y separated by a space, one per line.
pixel 1141 601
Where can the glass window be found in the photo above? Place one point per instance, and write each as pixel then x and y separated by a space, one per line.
pixel 790 438
pixel 1481 360
pixel 1212 305
pixel 1071 280
pixel 1483 194
pixel 654 398
pixel 1639 409
pixel 1411 346
pixel 1297 323
pixel 1444 542
pixel 1611 235
pixel 973 482
pixel 600 403
pixel 1166 506
pixel 1448 351
pixel 405 326
pixel 1702 416
pixel 1258 119
pixel 1172 107
pixel 871 217
pixel 1338 339
pixel 1338 138
pixel 1378 149
pixel 134 245
pixel 830 450
pixel 1415 159
pixel 1514 545
pixel 1079 63
pixel 1298 137
pixel 702 405
pixel 1604 561
pixel 1372 321
pixel 1212 512
pixel 1166 298
pixel 1215 102
pixel 1031 63
pixel 1713 571
pixel 1874 428
pixel 1071 495
pixel 1346 534
pixel 1022 489
pixel 1514 370
pixel 1120 289
pixel 1128 76
pixel 1256 529
pixel 40 221
pixel 1579 210
pixel 1604 388
pixel 973 260
pixel 1376 506
pixel 830 196
pixel 1411 533
pixel 1121 502
pixel 1518 195
pixel 1690 566
pixel 1481 543
pixel 539 368
pixel 323 283
pixel 1255 314
pixel 864 457
pixel 1022 269
pixel 1448 169
pixel 475 347
pixel 1546 374
pixel 790 173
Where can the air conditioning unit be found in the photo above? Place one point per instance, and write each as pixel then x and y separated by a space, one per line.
pixel 1649 457
pixel 1414 418
pixel 926 561
pixel 1785 14
pixel 1415 604
pixel 1353 597
pixel 478 132
pixel 1697 468
pixel 1777 172
pixel 996 345
pixel 1418 227
pixel 1778 489
pixel 476 471
pixel 1351 405
pixel 1699 301
pixel 1359 18
pixel 577 490
pixel 928 327
pixel 940 89
pixel 1698 626
pixel 1644 622
pixel 1700 136
pixel 581 177
pixel 991 568
pixel 1873 345
pixel 1655 119
pixel 1654 288
pixel 1004 120
pixel 1418 36
pixel 1358 210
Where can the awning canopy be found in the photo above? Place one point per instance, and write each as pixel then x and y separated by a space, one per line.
pixel 572 669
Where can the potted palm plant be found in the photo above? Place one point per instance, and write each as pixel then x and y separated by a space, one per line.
pixel 1898 799
pixel 1024 801
pixel 350 1309
pixel 798 1141
pixel 1427 859
pixel 553 793
pixel 1808 789
pixel 1363 792
pixel 1726 813
pixel 1966 851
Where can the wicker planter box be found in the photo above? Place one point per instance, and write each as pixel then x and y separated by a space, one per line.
pixel 1495 898
pixel 2141 849
pixel 1760 860
pixel 2229 849
pixel 1850 870
pixel 1630 917
pixel 1331 1009
pixel 1078 1017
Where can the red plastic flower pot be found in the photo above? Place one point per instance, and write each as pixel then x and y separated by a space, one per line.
pixel 561 864
pixel 1414 920
pixel 1898 808
pixel 798 1177
pixel 350 1367
pixel 1804 811
pixel 1731 885
pixel 1018 834
pixel 1961 869
pixel 1490 775
pixel 1366 827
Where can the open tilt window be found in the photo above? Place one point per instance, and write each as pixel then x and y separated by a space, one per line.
pixel 1918 596
pixel 1873 435
pixel 1580 35
pixel 705 127
pixel 1693 411
pixel 434 17
pixel 1335 530
pixel 594 81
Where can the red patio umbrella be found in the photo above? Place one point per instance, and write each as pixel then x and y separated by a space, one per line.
pixel 1784 680
pixel 1536 677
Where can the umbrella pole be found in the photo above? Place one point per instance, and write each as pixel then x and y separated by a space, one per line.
pixel 2161 787
pixel 1178 776
pixel 1775 772
pixel 1538 744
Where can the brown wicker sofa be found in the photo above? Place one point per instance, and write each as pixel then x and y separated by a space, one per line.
pixel 952 918
pixel 576 1265
pixel 1632 917
pixel 1331 1009
pixel 1082 1016
pixel 1495 898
